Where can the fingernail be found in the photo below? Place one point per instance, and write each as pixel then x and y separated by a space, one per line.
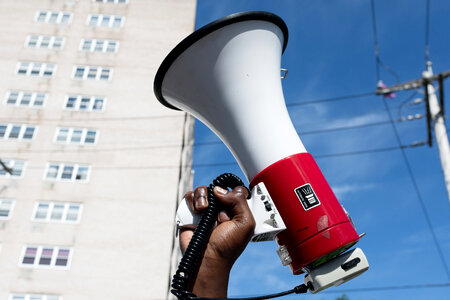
pixel 201 202
pixel 221 190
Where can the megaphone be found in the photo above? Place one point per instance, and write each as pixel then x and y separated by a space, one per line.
pixel 227 75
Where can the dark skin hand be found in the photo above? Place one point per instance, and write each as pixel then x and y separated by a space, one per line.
pixel 228 239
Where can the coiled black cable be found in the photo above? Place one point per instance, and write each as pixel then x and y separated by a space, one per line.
pixel 190 262
pixel 191 259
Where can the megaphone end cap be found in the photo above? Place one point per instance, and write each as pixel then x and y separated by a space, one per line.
pixel 202 32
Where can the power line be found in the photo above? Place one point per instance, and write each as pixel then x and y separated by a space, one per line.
pixel 134 118
pixel 375 40
pixel 419 196
pixel 345 97
pixel 387 288
pixel 314 131
pixel 427 32
pixel 408 99
pixel 42 121
pixel 344 128
pixel 5 167
pixel 148 147
pixel 378 61
pixel 130 118
pixel 203 165
pixel 405 158
pixel 93 150
pixel 350 153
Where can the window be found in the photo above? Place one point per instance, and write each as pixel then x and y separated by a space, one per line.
pixel 6 206
pixel 75 136
pixel 43 41
pixel 46 257
pixel 35 69
pixel 25 99
pixel 54 17
pixel 33 297
pixel 57 212
pixel 112 1
pixel 17 132
pixel 67 172
pixel 85 103
pixel 105 21
pixel 14 168
pixel 92 73
pixel 105 46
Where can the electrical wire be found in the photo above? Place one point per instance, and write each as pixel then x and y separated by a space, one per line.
pixel 131 118
pixel 378 61
pixel 207 165
pixel 179 183
pixel 345 97
pixel 300 289
pixel 388 288
pixel 149 147
pixel 136 118
pixel 405 158
pixel 318 131
pixel 427 32
pixel 419 196
pixel 375 38
pixel 404 102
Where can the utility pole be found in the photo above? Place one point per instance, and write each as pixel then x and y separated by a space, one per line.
pixel 437 118
pixel 435 114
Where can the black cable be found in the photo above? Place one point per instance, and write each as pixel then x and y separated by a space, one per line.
pixel 312 131
pixel 352 96
pixel 416 188
pixel 190 262
pixel 5 167
pixel 300 289
pixel 378 61
pixel 427 32
pixel 405 158
pixel 202 165
pixel 131 118
pixel 375 38
pixel 400 107
pixel 134 118
pixel 393 73
pixel 180 175
pixel 387 288
pixel 217 142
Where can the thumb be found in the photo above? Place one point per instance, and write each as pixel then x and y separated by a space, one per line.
pixel 235 202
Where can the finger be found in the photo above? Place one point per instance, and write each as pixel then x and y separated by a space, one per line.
pixel 185 238
pixel 223 216
pixel 200 198
pixel 236 202
pixel 235 199
pixel 189 197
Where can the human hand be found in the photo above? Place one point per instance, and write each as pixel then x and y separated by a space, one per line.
pixel 228 239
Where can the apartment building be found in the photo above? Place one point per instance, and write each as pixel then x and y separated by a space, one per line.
pixel 91 165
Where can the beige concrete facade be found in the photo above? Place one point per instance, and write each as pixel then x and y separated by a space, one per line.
pixel 122 245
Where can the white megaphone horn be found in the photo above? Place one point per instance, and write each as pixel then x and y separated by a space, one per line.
pixel 227 75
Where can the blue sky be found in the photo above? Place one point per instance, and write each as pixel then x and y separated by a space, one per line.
pixel 330 53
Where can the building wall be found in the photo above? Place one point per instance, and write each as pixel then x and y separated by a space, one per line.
pixel 123 243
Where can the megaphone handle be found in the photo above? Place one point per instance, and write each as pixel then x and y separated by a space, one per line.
pixel 191 259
